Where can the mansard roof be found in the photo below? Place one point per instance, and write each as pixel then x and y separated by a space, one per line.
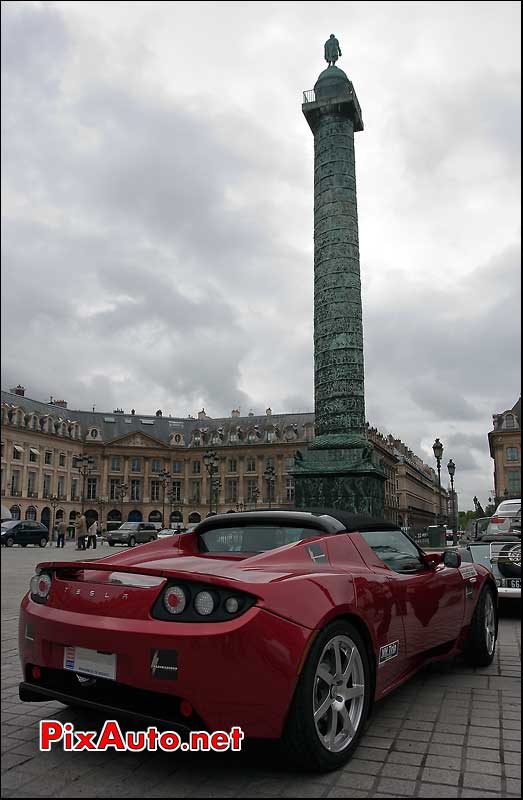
pixel 116 426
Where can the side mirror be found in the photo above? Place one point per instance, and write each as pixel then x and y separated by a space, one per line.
pixel 432 560
pixel 451 559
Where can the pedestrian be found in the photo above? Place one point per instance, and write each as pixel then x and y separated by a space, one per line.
pixel 61 530
pixel 91 537
pixel 81 531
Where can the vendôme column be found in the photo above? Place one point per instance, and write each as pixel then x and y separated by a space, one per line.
pixel 340 468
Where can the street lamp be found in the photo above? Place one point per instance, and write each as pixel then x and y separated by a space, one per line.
pixel 54 502
pixel 240 506
pixel 164 477
pixel 452 469
pixel 437 449
pixel 209 461
pixel 122 491
pixel 84 464
pixel 270 477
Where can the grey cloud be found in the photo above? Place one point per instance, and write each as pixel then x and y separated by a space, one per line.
pixel 157 231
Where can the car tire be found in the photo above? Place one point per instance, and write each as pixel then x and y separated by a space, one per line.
pixel 132 541
pixel 481 643
pixel 42 542
pixel 316 740
pixel 9 542
pixel 509 560
pixel 23 545
pixel 111 544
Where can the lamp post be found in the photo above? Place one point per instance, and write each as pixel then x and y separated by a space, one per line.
pixel 437 449
pixel 122 491
pixel 102 501
pixel 255 495
pixel 452 469
pixel 164 477
pixel 270 477
pixel 209 461
pixel 83 464
pixel 240 506
pixel 216 487
pixel 53 502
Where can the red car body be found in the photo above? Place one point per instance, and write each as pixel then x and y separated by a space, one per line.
pixel 241 671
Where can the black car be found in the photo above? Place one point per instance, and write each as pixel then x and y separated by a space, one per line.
pixel 23 532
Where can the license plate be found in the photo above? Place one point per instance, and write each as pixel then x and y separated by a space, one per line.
pixel 90 662
pixel 509 583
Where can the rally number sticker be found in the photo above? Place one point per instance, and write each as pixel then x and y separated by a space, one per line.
pixel 389 651
pixel 468 571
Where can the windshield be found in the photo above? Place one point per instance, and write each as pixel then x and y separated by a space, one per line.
pixel 251 538
pixel 131 526
pixel 9 524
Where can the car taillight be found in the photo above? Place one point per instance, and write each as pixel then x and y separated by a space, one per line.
pixel 40 586
pixel 497 520
pixel 174 600
pixel 188 601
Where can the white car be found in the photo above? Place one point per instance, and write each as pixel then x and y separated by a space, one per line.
pixel 500 523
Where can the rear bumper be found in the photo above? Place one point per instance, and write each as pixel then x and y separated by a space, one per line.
pixel 503 592
pixel 237 673
pixel 32 693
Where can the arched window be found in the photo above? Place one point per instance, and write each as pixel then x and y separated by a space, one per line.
pixel 15 512
pixel 115 515
pixel 251 437
pixel 194 517
pixel 31 513
pixel 510 421
pixel 197 438
pixel 175 516
pixel 135 516
pixel 155 516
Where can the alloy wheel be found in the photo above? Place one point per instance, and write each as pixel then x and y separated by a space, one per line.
pixel 490 623
pixel 338 693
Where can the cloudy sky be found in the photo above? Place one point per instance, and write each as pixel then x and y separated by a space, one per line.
pixel 158 198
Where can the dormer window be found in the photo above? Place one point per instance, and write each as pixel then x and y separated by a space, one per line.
pixel 510 422
pixel 251 437
pixel 197 438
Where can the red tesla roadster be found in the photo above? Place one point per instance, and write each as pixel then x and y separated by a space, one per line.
pixel 287 624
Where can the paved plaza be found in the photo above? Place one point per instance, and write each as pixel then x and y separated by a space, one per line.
pixel 449 732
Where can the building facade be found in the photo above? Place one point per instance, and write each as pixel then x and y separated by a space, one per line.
pixel 153 468
pixel 505 450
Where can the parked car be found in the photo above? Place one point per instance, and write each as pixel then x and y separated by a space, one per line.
pixel 287 624
pixel 167 532
pixel 24 532
pixel 503 558
pixel 500 523
pixel 131 533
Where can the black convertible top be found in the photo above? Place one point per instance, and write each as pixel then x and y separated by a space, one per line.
pixel 330 520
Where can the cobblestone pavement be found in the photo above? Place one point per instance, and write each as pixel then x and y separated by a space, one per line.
pixel 449 732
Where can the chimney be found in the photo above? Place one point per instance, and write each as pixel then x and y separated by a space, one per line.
pixel 268 412
pixel 19 390
pixel 159 413
pixel 202 414
pixel 61 403
pixel 235 412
